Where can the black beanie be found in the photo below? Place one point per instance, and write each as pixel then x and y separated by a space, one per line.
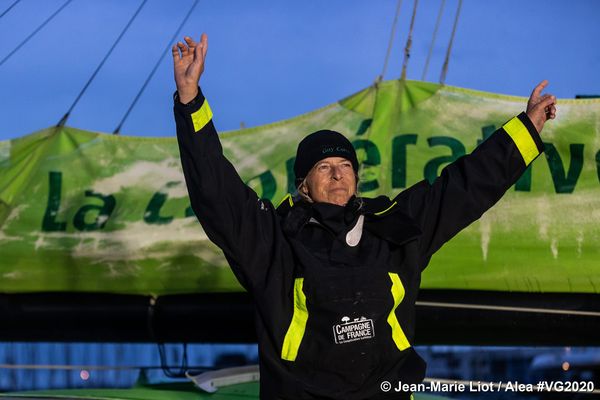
pixel 319 145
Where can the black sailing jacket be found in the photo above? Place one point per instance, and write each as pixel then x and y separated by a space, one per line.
pixel 335 319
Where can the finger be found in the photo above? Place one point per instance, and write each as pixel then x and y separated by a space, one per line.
pixel 538 89
pixel 183 48
pixel 190 42
pixel 546 101
pixel 544 98
pixel 175 52
pixel 201 49
pixel 542 102
pixel 204 43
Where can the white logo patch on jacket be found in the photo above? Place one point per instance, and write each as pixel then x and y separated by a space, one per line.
pixel 351 331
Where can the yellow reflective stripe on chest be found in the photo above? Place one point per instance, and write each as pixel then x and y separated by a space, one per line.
pixel 397 333
pixel 523 140
pixel 295 332
pixel 202 117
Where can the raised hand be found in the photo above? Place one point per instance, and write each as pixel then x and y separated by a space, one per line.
pixel 541 108
pixel 188 65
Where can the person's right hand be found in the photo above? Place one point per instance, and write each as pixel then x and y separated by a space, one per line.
pixel 188 65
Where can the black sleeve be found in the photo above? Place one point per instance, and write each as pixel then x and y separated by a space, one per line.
pixel 471 185
pixel 245 227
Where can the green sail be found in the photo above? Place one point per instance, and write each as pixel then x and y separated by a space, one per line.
pixel 92 212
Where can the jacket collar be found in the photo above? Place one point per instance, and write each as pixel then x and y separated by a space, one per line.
pixel 383 217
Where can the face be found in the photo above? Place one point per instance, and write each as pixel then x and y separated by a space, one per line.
pixel 331 180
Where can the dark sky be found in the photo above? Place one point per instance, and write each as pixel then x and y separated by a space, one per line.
pixel 272 60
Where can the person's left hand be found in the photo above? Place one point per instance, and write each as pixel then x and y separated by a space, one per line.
pixel 541 108
pixel 188 66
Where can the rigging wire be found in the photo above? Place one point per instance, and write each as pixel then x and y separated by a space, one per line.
pixel 9 7
pixel 449 50
pixel 409 41
pixel 178 372
pixel 62 367
pixel 9 55
pixel 163 54
pixel 169 371
pixel 375 86
pixel 435 31
pixel 63 120
pixel 390 42
pixel 508 308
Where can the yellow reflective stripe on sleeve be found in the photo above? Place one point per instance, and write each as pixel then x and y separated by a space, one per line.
pixel 295 332
pixel 202 117
pixel 397 333
pixel 520 135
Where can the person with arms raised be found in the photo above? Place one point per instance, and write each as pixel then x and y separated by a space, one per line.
pixel 335 277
